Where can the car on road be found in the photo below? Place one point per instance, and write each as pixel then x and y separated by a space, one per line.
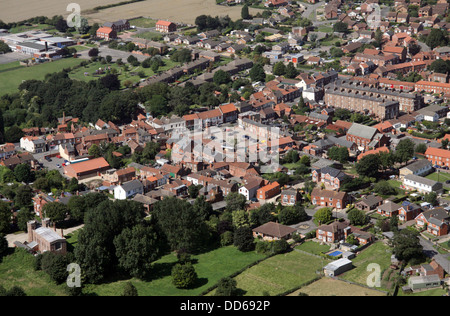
pixel 58 165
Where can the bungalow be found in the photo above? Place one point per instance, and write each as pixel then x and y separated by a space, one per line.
pixel 388 209
pixel 369 203
pixel 273 231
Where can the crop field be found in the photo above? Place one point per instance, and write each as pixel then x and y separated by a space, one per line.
pixel 332 287
pixel 182 11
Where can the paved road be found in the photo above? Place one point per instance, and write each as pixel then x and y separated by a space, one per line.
pixel 310 8
pixel 12 57
pixel 432 253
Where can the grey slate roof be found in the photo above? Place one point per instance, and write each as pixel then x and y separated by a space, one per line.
pixel 362 131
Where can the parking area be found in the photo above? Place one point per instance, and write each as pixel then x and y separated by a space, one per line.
pixel 54 163
pixel 12 57
pixel 114 53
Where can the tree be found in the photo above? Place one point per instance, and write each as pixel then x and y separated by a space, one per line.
pixel 181 225
pixel 245 14
pixel 431 198
pixel 368 166
pixel 440 66
pixel 257 73
pixel 340 27
pixel 323 215
pixel 23 173
pixel 226 287
pixel 5 218
pixel 357 217
pixel 136 249
pixel 110 82
pixel 93 52
pixel 235 201
pixel 437 37
pixel 292 215
pixel 291 71
pixel 221 77
pixel 24 195
pixel 83 28
pixel 339 154
pixel 404 151
pixel 243 239
pixel 279 69
pixel 61 25
pixel 3 246
pixel 13 134
pixel 184 275
pixel 193 190
pixel 384 188
pixel 56 211
pixel 406 246
pixel 95 151
pixel 55 265
pixel 130 290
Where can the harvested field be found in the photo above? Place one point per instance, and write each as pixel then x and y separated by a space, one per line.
pixel 19 10
pixel 332 287
pixel 181 11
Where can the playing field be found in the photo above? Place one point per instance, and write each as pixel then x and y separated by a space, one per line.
pixel 175 10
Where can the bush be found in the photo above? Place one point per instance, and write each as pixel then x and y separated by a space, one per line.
pixel 184 276
pixel 226 238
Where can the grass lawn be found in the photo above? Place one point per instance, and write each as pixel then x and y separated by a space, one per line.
pixel 210 268
pixel 12 76
pixel 431 292
pixel 377 253
pixel 80 48
pixel 439 176
pixel 313 247
pixel 143 22
pixel 149 35
pixel 131 74
pixel 17 270
pixel 279 274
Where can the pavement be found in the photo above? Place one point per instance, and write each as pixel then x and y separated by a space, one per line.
pixel 11 57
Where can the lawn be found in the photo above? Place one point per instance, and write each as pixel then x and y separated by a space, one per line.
pixel 439 176
pixel 431 292
pixel 131 74
pixel 279 274
pixel 17 270
pixel 378 253
pixel 313 247
pixel 13 75
pixel 210 268
pixel 143 22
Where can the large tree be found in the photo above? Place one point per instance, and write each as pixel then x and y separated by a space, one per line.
pixel 404 150
pixel 407 246
pixel 180 223
pixel 368 166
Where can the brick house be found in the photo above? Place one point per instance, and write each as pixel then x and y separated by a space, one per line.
pixel 290 197
pixel 106 33
pixel 328 198
pixel 434 221
pixel 44 238
pixel 408 211
pixel 331 177
pixel 268 191
pixel 166 26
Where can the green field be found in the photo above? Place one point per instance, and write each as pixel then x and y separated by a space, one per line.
pixel 210 268
pixel 313 247
pixel 13 74
pixel 279 274
pixel 439 176
pixel 143 22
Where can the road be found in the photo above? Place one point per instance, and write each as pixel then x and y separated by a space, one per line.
pixel 430 252
pixel 311 8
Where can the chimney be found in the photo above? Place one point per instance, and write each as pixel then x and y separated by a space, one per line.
pixel 31 225
pixel 46 46
pixel 46 222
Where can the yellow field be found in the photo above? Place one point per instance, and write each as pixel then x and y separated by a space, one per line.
pixel 332 287
pixel 181 11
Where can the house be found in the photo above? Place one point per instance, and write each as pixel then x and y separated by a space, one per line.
pixel 268 191
pixel 118 26
pixel 290 197
pixel 369 203
pixel 327 198
pixel 115 176
pixel 408 211
pixel 250 189
pixel 106 33
pixel 423 185
pixel 420 167
pixel 365 137
pixel 273 231
pixel 333 233
pixel 331 177
pixel 166 26
pixel 424 282
pixel 33 144
pixel 128 189
pixel 434 221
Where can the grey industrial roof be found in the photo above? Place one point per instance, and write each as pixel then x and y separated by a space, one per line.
pixel 48 234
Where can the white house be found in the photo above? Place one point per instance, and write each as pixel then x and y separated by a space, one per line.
pixel 33 144
pixel 128 189
pixel 249 190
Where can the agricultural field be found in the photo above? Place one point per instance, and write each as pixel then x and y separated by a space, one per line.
pixel 279 274
pixel 333 287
